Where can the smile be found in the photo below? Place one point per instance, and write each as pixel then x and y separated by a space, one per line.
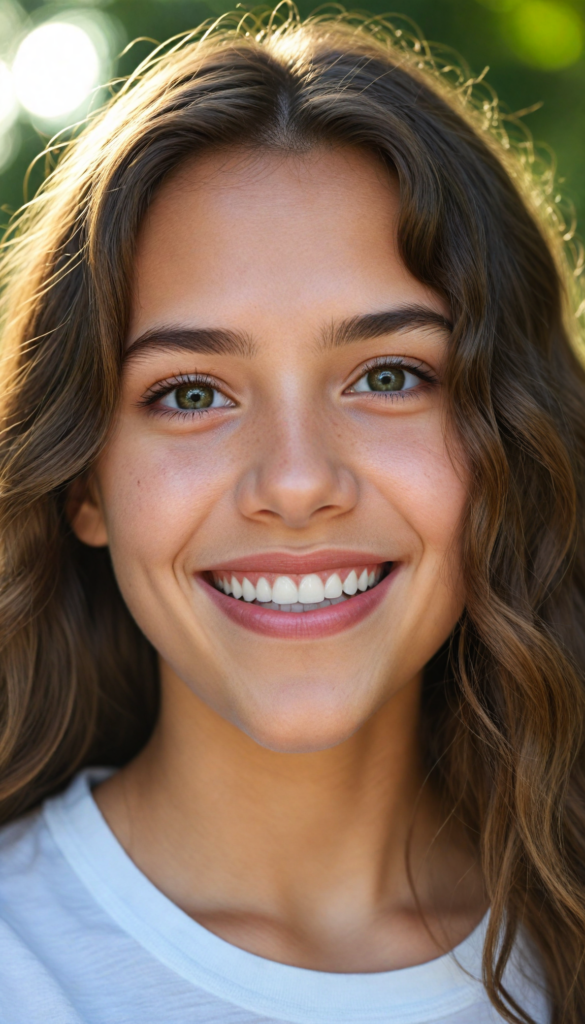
pixel 329 592
pixel 296 593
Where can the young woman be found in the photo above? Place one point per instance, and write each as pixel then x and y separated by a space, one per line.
pixel 292 504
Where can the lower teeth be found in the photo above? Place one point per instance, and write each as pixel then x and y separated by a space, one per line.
pixel 272 606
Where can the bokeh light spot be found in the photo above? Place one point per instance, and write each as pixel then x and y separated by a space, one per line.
pixel 545 34
pixel 55 69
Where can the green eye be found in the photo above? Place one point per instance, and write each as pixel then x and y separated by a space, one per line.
pixel 386 378
pixel 194 396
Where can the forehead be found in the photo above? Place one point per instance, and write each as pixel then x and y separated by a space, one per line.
pixel 236 236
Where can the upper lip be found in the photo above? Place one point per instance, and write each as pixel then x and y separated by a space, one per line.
pixel 287 562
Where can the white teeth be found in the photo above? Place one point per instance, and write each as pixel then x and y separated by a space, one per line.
pixel 311 590
pixel 309 595
pixel 351 584
pixel 285 591
pixel 263 590
pixel 333 587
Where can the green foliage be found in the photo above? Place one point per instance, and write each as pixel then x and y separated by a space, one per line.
pixel 533 49
pixel 545 34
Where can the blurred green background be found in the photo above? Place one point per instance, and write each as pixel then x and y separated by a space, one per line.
pixel 53 54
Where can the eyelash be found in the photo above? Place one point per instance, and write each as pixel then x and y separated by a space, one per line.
pixel 427 376
pixel 165 387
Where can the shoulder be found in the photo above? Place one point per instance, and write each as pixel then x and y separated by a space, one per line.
pixel 37 887
pixel 24 845
pixel 28 862
pixel 38 884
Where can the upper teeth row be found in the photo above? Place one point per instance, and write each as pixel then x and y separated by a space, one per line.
pixel 310 590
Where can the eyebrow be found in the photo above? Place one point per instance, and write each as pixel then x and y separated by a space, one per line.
pixel 220 341
pixel 391 321
pixel 212 340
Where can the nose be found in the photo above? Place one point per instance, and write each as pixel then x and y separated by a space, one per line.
pixel 297 476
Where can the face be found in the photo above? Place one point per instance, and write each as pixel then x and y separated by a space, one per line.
pixel 280 494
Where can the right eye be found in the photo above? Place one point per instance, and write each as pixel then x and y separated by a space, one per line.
pixel 193 396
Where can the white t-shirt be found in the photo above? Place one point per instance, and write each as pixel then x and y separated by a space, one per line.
pixel 85 938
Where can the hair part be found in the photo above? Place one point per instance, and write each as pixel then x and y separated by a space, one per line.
pixel 503 714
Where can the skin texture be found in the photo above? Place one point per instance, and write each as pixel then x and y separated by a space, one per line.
pixel 277 796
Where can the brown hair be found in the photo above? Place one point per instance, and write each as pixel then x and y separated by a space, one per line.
pixel 78 679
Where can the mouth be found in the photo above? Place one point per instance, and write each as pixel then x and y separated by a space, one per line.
pixel 267 596
pixel 295 593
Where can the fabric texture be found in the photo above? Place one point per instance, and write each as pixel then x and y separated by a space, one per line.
pixel 85 938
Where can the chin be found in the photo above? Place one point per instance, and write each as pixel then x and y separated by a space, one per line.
pixel 304 726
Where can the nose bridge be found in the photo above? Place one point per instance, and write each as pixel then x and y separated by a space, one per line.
pixel 296 471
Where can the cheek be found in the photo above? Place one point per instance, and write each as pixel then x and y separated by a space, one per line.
pixel 157 494
pixel 422 476
pixel 425 481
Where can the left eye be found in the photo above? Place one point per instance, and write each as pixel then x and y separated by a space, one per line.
pixel 194 397
pixel 386 378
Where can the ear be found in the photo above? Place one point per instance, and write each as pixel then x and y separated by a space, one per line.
pixel 84 512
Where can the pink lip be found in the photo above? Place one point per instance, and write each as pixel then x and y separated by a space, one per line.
pixel 303 625
pixel 285 562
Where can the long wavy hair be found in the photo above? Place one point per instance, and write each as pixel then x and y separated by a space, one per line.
pixel 503 708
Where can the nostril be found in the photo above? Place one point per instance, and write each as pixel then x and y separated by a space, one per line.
pixel 267 514
pixel 295 495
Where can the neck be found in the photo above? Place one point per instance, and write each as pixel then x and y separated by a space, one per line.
pixel 258 845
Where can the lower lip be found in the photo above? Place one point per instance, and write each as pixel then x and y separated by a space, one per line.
pixel 300 625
